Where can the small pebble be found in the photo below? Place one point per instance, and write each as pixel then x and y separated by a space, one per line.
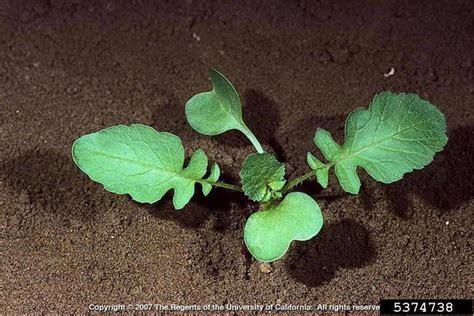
pixel 265 267
pixel 390 73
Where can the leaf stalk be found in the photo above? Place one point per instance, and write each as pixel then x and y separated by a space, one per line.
pixel 292 183
pixel 228 186
pixel 248 133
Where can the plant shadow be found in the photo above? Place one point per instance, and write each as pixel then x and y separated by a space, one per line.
pixel 175 119
pixel 313 189
pixel 53 184
pixel 445 184
pixel 229 209
pixel 341 245
pixel 334 124
pixel 262 116
pixel 300 136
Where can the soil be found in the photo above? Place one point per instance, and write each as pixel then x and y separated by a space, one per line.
pixel 68 68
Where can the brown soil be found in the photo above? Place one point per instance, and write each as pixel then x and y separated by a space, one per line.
pixel 68 68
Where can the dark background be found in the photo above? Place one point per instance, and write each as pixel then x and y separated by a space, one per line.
pixel 68 68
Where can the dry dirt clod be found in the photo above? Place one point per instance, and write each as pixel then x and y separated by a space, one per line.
pixel 265 267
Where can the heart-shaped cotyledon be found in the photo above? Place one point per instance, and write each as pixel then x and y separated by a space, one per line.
pixel 268 233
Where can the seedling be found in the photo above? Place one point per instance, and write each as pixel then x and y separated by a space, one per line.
pixel 396 134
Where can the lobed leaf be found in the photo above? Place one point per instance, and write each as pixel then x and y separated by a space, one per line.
pixel 261 175
pixel 320 169
pixel 268 233
pixel 219 110
pixel 213 177
pixel 139 161
pixel 397 134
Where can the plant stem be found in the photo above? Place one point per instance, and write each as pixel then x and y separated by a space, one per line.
pixel 227 186
pixel 292 183
pixel 247 132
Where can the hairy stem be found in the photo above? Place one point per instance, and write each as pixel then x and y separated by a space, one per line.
pixel 292 183
pixel 227 186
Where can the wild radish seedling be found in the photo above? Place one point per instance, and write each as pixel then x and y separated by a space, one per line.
pixel 396 134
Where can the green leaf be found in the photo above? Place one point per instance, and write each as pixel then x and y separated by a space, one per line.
pixel 219 110
pixel 213 177
pixel 142 162
pixel 326 143
pixel 268 233
pixel 397 134
pixel 321 171
pixel 262 174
